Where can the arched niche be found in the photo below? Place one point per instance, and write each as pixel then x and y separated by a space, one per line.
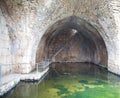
pixel 73 40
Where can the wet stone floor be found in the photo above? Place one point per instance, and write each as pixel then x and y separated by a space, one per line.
pixel 98 83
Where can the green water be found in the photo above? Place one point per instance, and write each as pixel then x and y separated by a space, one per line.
pixel 98 84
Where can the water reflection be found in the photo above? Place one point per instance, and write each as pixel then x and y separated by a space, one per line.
pixel 71 80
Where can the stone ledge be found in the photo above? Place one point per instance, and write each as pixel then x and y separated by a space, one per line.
pixel 33 76
pixel 10 81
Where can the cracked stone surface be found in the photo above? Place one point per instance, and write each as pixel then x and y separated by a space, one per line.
pixel 24 22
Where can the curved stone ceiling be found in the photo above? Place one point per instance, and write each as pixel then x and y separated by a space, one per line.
pixel 75 40
pixel 24 22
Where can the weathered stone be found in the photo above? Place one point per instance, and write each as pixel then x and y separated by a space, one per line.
pixel 31 19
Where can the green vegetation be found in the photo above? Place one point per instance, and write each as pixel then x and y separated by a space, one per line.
pixel 70 86
pixel 83 81
pixel 19 4
pixel 62 89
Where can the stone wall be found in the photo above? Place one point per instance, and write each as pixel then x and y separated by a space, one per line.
pixel 5 45
pixel 24 22
pixel 73 40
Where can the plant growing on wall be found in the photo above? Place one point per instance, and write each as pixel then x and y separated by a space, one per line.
pixel 19 4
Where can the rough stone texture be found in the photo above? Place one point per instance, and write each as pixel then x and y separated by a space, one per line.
pixel 24 22
pixel 11 80
pixel 73 40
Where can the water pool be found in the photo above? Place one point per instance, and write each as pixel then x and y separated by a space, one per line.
pixel 97 83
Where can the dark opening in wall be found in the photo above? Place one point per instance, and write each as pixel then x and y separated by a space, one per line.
pixel 72 40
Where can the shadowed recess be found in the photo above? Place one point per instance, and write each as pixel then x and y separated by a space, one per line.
pixel 72 40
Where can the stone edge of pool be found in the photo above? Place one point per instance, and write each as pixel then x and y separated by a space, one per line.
pixel 12 80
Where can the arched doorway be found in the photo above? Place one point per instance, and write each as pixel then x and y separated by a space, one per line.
pixel 72 40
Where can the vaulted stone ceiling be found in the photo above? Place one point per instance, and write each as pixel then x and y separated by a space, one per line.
pixel 73 40
pixel 23 23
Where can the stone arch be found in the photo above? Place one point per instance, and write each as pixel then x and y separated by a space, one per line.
pixel 90 45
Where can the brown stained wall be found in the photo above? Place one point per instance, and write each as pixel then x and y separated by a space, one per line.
pixel 73 40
